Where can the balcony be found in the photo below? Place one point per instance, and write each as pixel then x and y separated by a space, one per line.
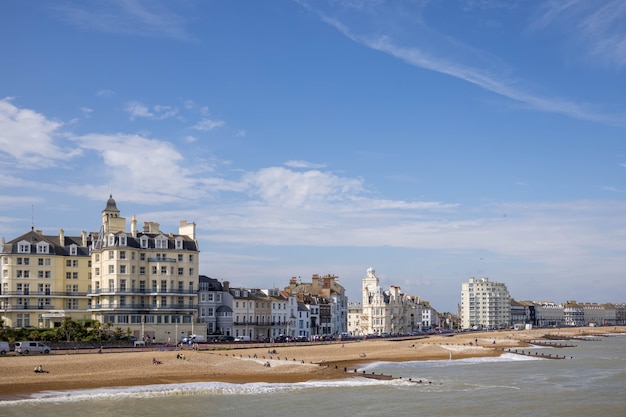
pixel 142 291
pixel 26 307
pixel 144 307
pixel 45 294
pixel 162 260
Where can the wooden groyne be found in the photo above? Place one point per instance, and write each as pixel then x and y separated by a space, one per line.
pixel 382 377
pixel 581 337
pixel 551 344
pixel 537 354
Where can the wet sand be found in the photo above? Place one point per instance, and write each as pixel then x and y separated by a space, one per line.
pixel 231 363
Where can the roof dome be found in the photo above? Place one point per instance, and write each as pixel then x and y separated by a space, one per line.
pixel 111 206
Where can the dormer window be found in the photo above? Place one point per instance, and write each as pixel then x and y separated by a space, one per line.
pixel 143 242
pixel 43 247
pixel 161 242
pixel 111 240
pixel 23 247
pixel 73 250
pixel 123 240
pixel 179 243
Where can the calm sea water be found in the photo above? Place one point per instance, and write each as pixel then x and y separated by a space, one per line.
pixel 590 383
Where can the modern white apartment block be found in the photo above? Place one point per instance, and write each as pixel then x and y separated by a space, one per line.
pixel 144 282
pixel 485 304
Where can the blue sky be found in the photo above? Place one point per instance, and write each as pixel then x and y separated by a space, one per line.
pixel 431 140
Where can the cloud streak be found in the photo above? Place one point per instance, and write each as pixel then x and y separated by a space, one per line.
pixel 439 60
pixel 125 17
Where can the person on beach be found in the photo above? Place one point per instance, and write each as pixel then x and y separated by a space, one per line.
pixel 39 370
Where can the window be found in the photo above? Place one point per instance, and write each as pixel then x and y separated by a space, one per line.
pixel 161 242
pixel 210 296
pixel 74 275
pixel 164 270
pixel 97 272
pixel 23 247
pixel 46 274
pixel 42 247
pixel 181 271
pixel 190 271
pixel 122 269
pixel 154 269
pixel 190 258
pixel 143 242
pixel 180 257
pixel 111 269
pixel 111 240
pixel 122 254
pixel 111 254
pixel 179 243
pixel 142 256
pixel 142 270
pixel 123 240
pixel 73 250
pixel 68 275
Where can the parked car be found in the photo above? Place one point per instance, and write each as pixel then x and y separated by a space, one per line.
pixel 4 348
pixel 242 339
pixel 31 347
pixel 224 338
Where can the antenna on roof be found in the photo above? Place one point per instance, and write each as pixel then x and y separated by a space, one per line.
pixel 32 217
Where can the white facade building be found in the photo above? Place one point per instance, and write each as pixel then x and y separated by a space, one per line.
pixel 485 304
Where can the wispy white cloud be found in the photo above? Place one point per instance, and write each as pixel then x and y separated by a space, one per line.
pixel 158 112
pixel 598 27
pixel 450 56
pixel 147 169
pixel 125 17
pixel 29 138
pixel 303 164
pixel 105 93
pixel 207 124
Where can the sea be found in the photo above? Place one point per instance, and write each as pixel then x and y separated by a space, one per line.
pixel 591 381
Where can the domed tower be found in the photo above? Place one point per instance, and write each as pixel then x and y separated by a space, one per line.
pixel 111 220
pixel 370 285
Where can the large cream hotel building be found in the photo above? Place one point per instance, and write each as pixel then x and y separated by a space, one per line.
pixel 144 282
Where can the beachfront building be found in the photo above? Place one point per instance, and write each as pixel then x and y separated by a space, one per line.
pixel 485 304
pixel 430 316
pixel 327 300
pixel 282 317
pixel 354 318
pixel 388 312
pixel 45 279
pixel 572 313
pixel 144 282
pixel 303 321
pixel 212 302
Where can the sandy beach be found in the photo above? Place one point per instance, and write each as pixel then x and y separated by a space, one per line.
pixel 231 363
